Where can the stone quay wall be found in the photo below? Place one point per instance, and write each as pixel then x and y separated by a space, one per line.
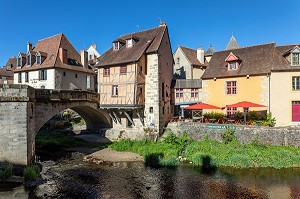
pixel 284 136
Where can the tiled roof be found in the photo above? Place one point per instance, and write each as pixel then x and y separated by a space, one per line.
pixel 232 44
pixel 149 41
pixel 11 64
pixel 49 47
pixel 254 60
pixel 191 55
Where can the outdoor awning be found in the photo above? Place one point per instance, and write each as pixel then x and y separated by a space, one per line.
pixel 200 106
pixel 245 104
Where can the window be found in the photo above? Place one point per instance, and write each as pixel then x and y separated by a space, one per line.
pixel 246 110
pixel 163 90
pixel 295 59
pixel 64 74
pixel 76 75
pixel 231 88
pixel 19 61
pixel 26 77
pixel 38 59
pixel 91 57
pixel 19 77
pixel 43 74
pixel 163 110
pixel 194 92
pixel 151 110
pixel 116 45
pixel 28 60
pixel 129 43
pixel 4 80
pixel 141 69
pixel 179 92
pixel 88 82
pixel 232 65
pixel 231 111
pixel 296 83
pixel 106 72
pixel 114 92
pixel 123 70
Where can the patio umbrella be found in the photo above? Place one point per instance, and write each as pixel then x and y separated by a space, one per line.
pixel 245 104
pixel 200 106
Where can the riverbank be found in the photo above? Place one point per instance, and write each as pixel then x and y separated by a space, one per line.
pixel 211 154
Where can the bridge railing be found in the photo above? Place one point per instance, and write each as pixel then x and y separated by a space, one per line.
pixel 66 95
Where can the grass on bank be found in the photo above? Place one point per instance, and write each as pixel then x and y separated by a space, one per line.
pixel 54 141
pixel 207 151
pixel 31 172
pixel 6 170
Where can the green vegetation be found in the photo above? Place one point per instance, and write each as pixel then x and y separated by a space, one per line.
pixel 56 140
pixel 31 172
pixel 6 170
pixel 214 115
pixel 211 153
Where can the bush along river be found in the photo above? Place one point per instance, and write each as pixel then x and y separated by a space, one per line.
pixel 161 176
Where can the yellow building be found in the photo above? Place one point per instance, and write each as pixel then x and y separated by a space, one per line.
pixel 264 74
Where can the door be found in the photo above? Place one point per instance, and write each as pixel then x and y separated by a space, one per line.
pixel 296 111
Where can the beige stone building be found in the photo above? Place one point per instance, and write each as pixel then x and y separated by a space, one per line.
pixel 53 63
pixel 134 80
pixel 189 67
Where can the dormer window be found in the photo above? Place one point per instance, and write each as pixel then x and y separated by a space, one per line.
pixel 232 65
pixel 28 62
pixel 232 62
pixel 129 43
pixel 38 59
pixel 116 45
pixel 295 57
pixel 19 61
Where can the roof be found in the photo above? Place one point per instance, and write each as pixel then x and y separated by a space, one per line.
pixel 232 44
pixel 149 42
pixel 210 51
pixel 49 49
pixel 253 60
pixel 11 64
pixel 191 55
pixel 6 73
pixel 187 83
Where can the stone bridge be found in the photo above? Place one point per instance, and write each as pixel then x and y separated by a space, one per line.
pixel 24 110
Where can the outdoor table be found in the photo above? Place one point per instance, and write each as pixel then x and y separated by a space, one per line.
pixel 230 121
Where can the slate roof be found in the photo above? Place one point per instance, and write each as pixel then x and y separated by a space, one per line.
pixel 210 51
pixel 149 42
pixel 191 55
pixel 187 83
pixel 254 60
pixel 232 44
pixel 49 49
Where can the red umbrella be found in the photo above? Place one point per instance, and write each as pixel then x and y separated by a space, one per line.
pixel 245 104
pixel 200 106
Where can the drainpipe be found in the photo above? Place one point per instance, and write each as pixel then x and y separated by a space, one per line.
pixel 269 92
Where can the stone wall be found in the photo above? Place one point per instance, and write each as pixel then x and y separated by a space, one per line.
pixel 245 134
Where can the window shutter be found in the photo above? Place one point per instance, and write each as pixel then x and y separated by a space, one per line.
pixel 40 74
pixel 45 74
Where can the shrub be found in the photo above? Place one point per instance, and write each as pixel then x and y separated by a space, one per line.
pixel 228 136
pixel 269 120
pixel 214 115
pixel 6 169
pixel 239 115
pixel 31 172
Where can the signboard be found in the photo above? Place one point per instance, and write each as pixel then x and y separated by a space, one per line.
pixel 220 126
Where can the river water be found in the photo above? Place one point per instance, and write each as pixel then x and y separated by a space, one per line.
pixel 73 178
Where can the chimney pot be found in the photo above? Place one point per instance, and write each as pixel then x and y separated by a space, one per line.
pixel 29 46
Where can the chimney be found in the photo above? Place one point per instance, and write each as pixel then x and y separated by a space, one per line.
pixel 162 23
pixel 200 55
pixel 29 46
pixel 94 45
pixel 63 55
pixel 84 58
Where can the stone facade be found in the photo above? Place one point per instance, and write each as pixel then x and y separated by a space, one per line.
pixel 24 110
pixel 286 136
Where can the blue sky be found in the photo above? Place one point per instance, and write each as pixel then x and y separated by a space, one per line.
pixel 191 23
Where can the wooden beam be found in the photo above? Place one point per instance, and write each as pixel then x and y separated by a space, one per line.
pixel 142 119
pixel 129 118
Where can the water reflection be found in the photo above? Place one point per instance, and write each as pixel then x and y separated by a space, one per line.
pixel 134 180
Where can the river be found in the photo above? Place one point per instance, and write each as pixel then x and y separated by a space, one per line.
pixel 73 178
